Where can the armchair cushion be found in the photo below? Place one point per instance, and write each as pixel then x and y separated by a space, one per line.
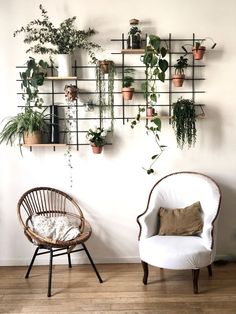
pixel 181 221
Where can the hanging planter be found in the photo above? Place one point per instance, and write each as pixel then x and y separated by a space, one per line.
pixel 198 53
pixel 64 65
pixel 105 65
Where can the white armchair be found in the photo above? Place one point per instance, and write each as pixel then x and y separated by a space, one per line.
pixel 179 190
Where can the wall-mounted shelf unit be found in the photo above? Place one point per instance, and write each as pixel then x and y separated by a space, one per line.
pixel 81 119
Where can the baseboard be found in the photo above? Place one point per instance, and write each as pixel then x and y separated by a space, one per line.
pixel 83 260
pixel 75 260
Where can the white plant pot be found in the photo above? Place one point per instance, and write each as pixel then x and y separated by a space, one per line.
pixel 64 65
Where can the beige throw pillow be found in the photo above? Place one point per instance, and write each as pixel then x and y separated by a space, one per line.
pixel 181 221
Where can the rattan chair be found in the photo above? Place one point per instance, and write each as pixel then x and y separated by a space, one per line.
pixel 51 202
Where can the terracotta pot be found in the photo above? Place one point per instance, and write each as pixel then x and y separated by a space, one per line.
pixel 96 149
pixel 178 79
pixel 198 53
pixel 150 112
pixel 32 138
pixel 127 93
pixel 104 66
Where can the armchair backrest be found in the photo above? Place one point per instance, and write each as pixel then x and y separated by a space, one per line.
pixel 179 190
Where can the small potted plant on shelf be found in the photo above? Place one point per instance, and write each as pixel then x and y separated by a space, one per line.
pixel 27 127
pixel 179 76
pixel 128 79
pixel 198 49
pixel 97 139
pixel 45 38
pixel 183 122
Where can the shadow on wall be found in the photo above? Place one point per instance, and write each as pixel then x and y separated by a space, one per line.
pixel 226 233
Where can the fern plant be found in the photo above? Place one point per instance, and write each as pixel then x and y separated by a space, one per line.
pixel 183 122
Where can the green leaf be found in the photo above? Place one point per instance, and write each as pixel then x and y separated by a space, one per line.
pixel 153 97
pixel 163 52
pixel 150 171
pixel 157 122
pixel 163 64
pixel 156 71
pixel 155 41
pixel 161 76
pixel 155 156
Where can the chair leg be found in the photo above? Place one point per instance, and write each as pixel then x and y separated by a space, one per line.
pixel 92 263
pixel 145 272
pixel 32 262
pixel 69 260
pixel 50 273
pixel 209 270
pixel 195 274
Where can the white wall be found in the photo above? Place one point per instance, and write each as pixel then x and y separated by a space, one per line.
pixel 113 188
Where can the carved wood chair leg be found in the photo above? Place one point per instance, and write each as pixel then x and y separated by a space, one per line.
pixel 209 270
pixel 145 272
pixel 195 274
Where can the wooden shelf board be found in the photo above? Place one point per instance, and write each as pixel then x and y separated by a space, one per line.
pixel 63 78
pixel 44 145
pixel 133 51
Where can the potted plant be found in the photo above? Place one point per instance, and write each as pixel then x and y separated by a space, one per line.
pixel 198 49
pixel 27 127
pixel 97 139
pixel 32 78
pixel 179 76
pixel 45 38
pixel 105 65
pixel 128 79
pixel 183 122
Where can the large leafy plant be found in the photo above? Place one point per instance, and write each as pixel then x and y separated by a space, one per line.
pixel 27 121
pixel 183 122
pixel 156 67
pixel 47 38
pixel 181 65
pixel 32 78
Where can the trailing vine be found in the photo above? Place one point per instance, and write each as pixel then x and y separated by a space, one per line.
pixel 183 122
pixel 154 127
pixel 105 89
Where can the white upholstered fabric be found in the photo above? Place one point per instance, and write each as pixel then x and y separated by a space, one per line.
pixel 175 252
pixel 177 191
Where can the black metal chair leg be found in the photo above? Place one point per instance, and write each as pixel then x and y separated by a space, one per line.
pixel 32 262
pixel 145 272
pixel 69 260
pixel 92 263
pixel 50 273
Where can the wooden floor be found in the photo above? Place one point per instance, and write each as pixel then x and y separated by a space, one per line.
pixel 77 290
